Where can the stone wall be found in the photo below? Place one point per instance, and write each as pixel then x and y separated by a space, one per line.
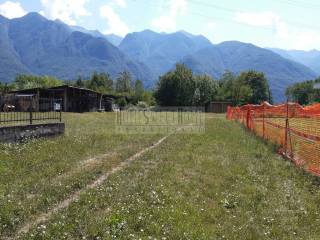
pixel 18 133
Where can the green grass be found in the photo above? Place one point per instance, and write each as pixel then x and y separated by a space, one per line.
pixel 30 173
pixel 224 184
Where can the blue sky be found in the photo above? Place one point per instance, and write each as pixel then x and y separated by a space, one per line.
pixel 288 24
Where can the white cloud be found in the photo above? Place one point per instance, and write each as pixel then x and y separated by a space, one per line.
pixel 295 38
pixel 11 9
pixel 115 23
pixel 120 3
pixel 68 11
pixel 262 19
pixel 168 22
pixel 208 30
pixel 284 35
pixel 42 13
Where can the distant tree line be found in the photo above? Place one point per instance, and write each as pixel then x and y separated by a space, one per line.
pixel 181 87
pixel 304 93
pixel 6 87
pixel 25 81
pixel 123 85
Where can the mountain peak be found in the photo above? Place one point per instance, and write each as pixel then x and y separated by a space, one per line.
pixel 198 37
pixel 237 44
pixel 40 46
pixel 314 51
pixel 3 17
pixel 187 34
pixel 148 31
pixel 231 42
pixel 34 16
pixel 60 22
pixel 3 20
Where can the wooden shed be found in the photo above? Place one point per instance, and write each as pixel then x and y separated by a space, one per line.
pixel 217 107
pixel 73 99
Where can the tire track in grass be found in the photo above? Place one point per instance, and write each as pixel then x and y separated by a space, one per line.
pixel 87 164
pixel 76 195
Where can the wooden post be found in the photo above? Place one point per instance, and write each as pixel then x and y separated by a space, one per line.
pixel 263 123
pixel 286 129
pixel 65 100
pixel 180 116
pixel 248 118
pixel 30 111
pixel 60 114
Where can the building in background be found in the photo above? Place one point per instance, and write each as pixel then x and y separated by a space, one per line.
pixel 217 107
pixel 73 99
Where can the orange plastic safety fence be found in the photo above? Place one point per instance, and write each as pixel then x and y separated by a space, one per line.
pixel 295 129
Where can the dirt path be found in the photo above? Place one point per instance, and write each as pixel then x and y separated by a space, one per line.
pixel 75 196
pixel 86 164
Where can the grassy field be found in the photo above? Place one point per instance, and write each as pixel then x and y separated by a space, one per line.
pixel 224 184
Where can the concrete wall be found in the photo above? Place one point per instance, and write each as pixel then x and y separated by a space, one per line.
pixel 18 133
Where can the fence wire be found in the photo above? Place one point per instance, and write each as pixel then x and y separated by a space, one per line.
pixel 295 129
pixel 17 110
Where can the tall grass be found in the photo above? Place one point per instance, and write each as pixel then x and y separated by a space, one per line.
pixel 224 184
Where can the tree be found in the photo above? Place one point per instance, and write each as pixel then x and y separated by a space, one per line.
pixel 122 102
pixel 176 88
pixel 138 91
pixel 6 87
pixel 80 83
pixel 124 83
pixel 248 87
pixel 241 92
pixel 181 88
pixel 234 89
pixel 206 89
pixel 225 87
pixel 100 82
pixel 258 84
pixel 148 97
pixel 303 93
pixel 30 81
pixel 196 97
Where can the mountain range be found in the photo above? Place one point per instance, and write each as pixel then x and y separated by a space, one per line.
pixel 310 59
pixel 160 51
pixel 238 57
pixel 35 45
pixel 112 38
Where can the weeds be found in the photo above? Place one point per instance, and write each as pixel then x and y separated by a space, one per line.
pixel 224 184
